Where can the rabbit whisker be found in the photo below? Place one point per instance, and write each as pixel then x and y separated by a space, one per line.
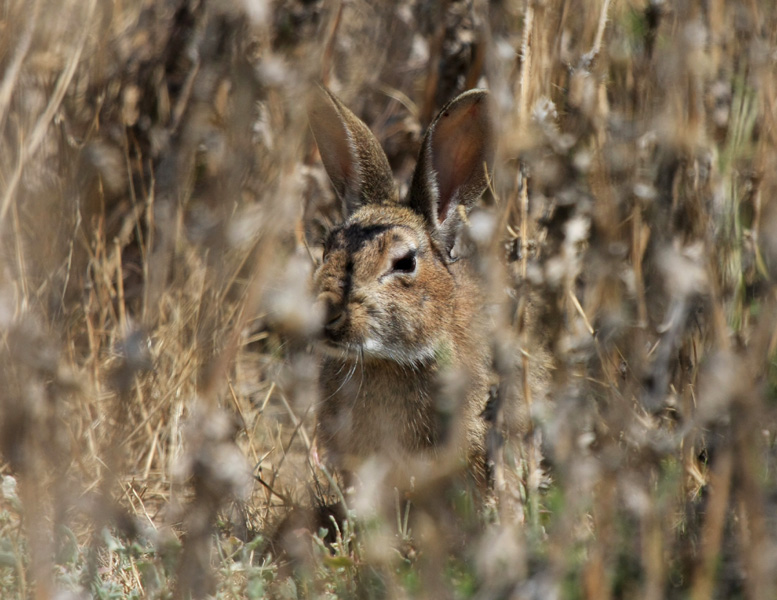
pixel 360 362
pixel 340 370
pixel 346 379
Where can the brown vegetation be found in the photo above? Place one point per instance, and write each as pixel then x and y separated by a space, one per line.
pixel 161 209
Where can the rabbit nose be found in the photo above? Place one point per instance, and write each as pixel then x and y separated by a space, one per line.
pixel 335 319
pixel 333 311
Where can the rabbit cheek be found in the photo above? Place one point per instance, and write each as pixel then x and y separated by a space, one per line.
pixel 398 329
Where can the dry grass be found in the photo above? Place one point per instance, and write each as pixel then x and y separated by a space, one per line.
pixel 160 204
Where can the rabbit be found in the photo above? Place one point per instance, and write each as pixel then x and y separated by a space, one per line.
pixel 406 364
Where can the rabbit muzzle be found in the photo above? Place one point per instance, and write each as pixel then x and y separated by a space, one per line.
pixel 333 312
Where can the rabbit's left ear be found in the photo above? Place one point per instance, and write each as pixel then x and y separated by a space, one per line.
pixel 454 164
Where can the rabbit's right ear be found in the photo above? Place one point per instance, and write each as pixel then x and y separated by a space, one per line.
pixel 352 156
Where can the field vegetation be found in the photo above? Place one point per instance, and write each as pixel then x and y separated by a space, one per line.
pixel 162 205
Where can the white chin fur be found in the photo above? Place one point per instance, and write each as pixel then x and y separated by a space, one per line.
pixel 372 348
pixel 407 356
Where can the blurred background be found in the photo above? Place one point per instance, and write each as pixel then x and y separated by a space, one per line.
pixel 161 208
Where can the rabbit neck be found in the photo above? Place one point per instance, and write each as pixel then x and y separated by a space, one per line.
pixel 379 408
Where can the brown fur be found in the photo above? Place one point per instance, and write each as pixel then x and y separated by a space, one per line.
pixel 406 366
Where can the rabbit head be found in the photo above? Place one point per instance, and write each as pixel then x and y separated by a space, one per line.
pixel 396 305
pixel 385 283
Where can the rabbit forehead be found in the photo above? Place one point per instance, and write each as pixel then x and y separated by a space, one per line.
pixel 381 214
pixel 372 222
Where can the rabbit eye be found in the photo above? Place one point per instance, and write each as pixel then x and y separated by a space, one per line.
pixel 404 264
